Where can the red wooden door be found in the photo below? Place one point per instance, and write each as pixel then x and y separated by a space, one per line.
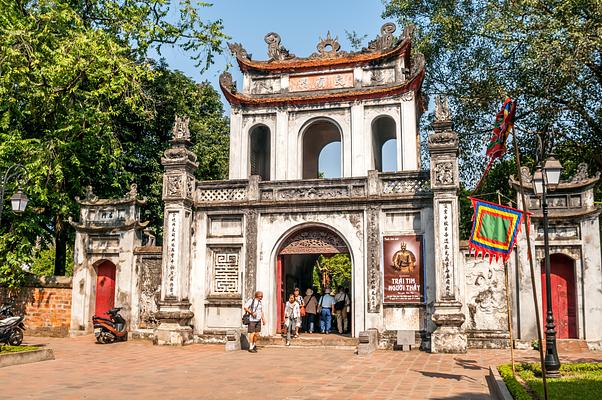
pixel 105 288
pixel 279 294
pixel 564 304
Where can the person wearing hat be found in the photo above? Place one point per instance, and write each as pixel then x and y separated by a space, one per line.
pixel 311 307
pixel 326 307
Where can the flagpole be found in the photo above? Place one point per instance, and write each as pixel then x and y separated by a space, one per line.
pixel 532 267
pixel 508 305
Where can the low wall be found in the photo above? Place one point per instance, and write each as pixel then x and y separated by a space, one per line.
pixel 46 304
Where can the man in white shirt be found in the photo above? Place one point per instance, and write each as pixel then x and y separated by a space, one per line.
pixel 342 301
pixel 255 309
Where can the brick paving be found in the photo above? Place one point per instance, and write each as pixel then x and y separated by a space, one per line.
pixel 139 370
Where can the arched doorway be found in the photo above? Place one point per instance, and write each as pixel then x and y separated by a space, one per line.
pixel 298 266
pixel 384 144
pixel 564 301
pixel 316 137
pixel 105 287
pixel 260 151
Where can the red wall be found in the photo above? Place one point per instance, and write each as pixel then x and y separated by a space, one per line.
pixel 46 304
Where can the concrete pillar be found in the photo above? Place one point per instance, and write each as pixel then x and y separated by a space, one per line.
pixel 448 337
pixel 178 190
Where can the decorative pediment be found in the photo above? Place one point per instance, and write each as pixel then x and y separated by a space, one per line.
pixel 314 241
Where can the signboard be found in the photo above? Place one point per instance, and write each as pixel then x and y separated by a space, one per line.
pixel 403 271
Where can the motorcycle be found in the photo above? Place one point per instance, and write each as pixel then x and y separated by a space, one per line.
pixel 11 326
pixel 11 331
pixel 108 330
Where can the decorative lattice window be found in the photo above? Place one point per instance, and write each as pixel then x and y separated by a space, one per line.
pixel 226 271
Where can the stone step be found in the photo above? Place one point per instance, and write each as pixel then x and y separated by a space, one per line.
pixel 571 345
pixel 315 340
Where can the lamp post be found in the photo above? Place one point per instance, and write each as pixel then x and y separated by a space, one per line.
pixel 547 177
pixel 18 200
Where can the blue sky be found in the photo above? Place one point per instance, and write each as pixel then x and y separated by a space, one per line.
pixel 300 24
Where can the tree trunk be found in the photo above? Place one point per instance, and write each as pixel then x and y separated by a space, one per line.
pixel 60 243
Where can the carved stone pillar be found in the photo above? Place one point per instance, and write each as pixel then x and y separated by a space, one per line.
pixel 178 190
pixel 448 337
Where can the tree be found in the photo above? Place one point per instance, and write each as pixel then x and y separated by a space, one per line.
pixel 70 71
pixel 337 266
pixel 544 53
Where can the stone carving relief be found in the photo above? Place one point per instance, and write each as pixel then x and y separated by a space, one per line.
pixel 485 290
pixel 225 79
pixel 382 76
pixel 384 41
pixel 526 175
pixel 239 51
pixel 265 86
pixel 572 251
pixel 150 291
pixel 328 48
pixel 180 129
pixel 174 185
pixel 444 173
pixel 443 139
pixel 226 277
pixel 581 174
pixel 442 109
pixel 559 232
pixel 314 241
pixel 133 192
pixel 312 193
pixel 276 51
pixel 89 197
pixel 190 187
pixel 408 96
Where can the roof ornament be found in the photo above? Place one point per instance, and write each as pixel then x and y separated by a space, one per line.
pixel 276 51
pixel 327 48
pixel 581 174
pixel 239 51
pixel 383 41
pixel 226 82
pixel 133 192
pixel 180 131
pixel 442 109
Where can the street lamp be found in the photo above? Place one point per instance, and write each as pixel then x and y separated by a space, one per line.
pixel 18 200
pixel 544 179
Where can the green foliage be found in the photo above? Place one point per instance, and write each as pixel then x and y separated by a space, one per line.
pixel 545 54
pixel 579 381
pixel 43 262
pixel 16 349
pixel 79 106
pixel 517 390
pixel 339 270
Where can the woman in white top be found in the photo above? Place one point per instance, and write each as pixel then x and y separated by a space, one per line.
pixel 292 314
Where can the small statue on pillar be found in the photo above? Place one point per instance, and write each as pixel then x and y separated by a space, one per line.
pixel 180 131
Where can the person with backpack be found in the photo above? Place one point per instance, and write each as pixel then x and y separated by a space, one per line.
pixel 311 306
pixel 254 308
pixel 342 301
pixel 326 309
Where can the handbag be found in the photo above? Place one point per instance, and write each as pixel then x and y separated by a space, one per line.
pixel 246 318
pixel 319 308
pixel 302 310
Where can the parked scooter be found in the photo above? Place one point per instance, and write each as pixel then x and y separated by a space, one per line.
pixel 108 330
pixel 11 326
pixel 11 331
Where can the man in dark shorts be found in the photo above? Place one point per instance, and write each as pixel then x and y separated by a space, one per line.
pixel 255 309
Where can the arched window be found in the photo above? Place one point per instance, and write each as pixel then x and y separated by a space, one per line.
pixel 259 138
pixel 321 150
pixel 384 144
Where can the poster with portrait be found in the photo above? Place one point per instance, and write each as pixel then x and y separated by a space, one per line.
pixel 403 271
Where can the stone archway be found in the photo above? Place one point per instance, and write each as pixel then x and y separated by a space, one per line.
pixel 296 258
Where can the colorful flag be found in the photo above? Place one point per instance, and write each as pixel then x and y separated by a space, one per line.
pixel 494 229
pixel 504 121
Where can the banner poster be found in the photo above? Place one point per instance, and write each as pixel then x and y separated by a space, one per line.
pixel 403 272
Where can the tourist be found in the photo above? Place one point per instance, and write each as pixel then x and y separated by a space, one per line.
pixel 342 301
pixel 255 309
pixel 326 311
pixel 291 316
pixel 298 299
pixel 348 310
pixel 311 306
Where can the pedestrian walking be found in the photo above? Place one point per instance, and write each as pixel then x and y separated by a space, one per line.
pixel 291 316
pixel 348 310
pixel 311 306
pixel 342 301
pixel 256 318
pixel 299 299
pixel 326 307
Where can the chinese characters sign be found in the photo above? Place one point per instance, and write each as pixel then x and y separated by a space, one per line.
pixel 320 82
pixel 403 277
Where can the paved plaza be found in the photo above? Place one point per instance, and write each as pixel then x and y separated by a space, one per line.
pixel 139 370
